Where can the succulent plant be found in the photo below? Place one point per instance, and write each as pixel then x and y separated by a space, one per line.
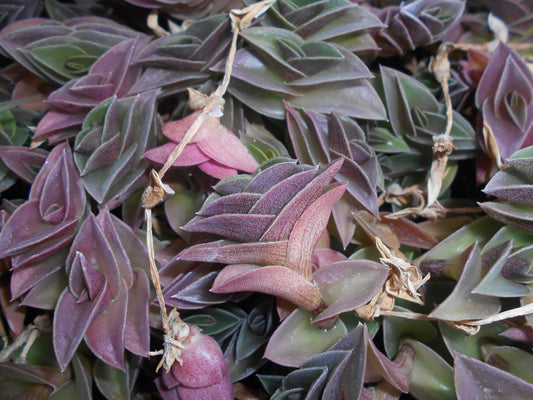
pixel 58 52
pixel 242 336
pixel 416 23
pixel 512 185
pixel 17 160
pixel 53 213
pixel 505 103
pixel 316 75
pixel 290 243
pixel 18 10
pixel 340 22
pixel 182 59
pixel 317 140
pixel 112 74
pixel 106 301
pixel 214 149
pixel 108 150
pixel 415 118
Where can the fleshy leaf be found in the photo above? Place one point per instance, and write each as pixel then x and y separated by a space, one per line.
pixel 475 379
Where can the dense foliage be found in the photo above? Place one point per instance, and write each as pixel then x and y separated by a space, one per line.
pixel 347 215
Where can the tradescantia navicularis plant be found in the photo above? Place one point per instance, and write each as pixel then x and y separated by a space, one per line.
pixel 284 153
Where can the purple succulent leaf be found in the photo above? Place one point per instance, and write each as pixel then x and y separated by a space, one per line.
pixel 462 304
pixel 71 321
pixel 308 229
pixel 251 68
pixel 92 243
pixel 85 282
pixel 239 203
pixel 225 148
pixel 519 334
pixel 136 335
pixel 418 23
pixel 105 334
pixel 57 203
pixel 410 233
pixel 214 148
pixel 109 224
pixel 226 252
pixel 359 184
pixel 109 173
pixel 508 186
pixel 23 161
pixel 287 218
pixel 379 366
pixel 307 151
pixel 55 124
pixel 190 290
pixel 511 213
pixel 273 201
pixel 244 227
pixel 507 102
pixel 347 285
pixel 45 294
pixel 14 240
pixel 192 155
pixel 476 379
pixel 133 246
pixel 275 280
pixel 265 179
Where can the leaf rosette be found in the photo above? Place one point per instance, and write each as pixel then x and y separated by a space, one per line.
pixel 505 98
pixel 112 74
pixel 318 139
pixel 50 217
pixel 341 21
pixel 315 75
pixel 108 150
pixel 415 118
pixel 271 223
pixel 416 23
pixel 108 293
pixel 60 51
pixel 180 60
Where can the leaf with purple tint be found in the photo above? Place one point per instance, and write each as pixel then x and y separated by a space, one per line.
pixel 233 226
pixel 190 290
pixel 287 218
pixel 275 280
pixel 56 205
pixel 136 336
pixel 25 163
pixel 348 285
pixel 71 321
pixel 476 379
pixel 495 284
pixel 413 24
pixel 111 168
pixel 462 303
pixel 226 252
pixel 505 96
pixel 105 334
